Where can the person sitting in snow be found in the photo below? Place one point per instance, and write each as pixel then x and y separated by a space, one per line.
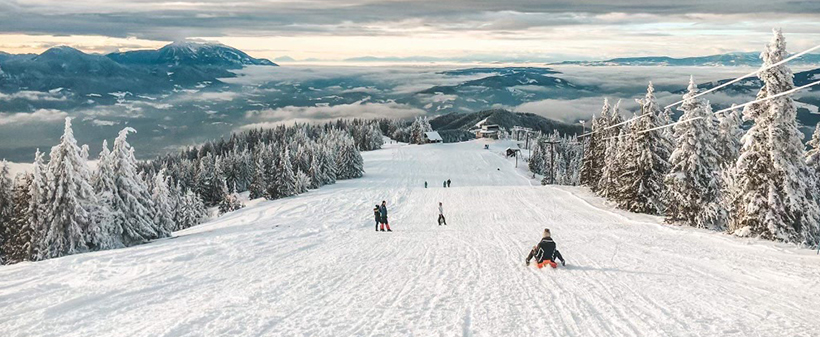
pixel 383 213
pixel 378 216
pixel 441 219
pixel 545 252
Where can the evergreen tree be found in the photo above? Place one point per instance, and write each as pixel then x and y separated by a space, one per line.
pixel 259 185
pixel 349 162
pixel 692 188
pixel 813 154
pixel 594 154
pixel 286 179
pixel 108 232
pixel 773 194
pixel 608 184
pixel 729 134
pixel 642 181
pixel 37 207
pixel 209 180
pixel 134 210
pixel 230 202
pixel 303 182
pixel 18 240
pixel 7 230
pixel 165 204
pixel 68 201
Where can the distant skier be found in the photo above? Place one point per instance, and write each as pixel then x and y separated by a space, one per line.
pixel 545 252
pixel 448 182
pixel 383 213
pixel 444 184
pixel 378 216
pixel 441 219
pixel 425 184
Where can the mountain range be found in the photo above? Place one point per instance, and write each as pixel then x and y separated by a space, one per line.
pixel 171 67
pixel 728 59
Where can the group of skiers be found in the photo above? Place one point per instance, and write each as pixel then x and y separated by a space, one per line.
pixel 545 252
pixel 444 184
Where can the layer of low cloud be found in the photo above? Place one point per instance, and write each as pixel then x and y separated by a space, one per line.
pixel 38 116
pixel 313 114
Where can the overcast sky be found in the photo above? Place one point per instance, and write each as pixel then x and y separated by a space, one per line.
pixel 339 29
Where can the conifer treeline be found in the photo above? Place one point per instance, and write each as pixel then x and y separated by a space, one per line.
pixel 64 207
pixel 707 172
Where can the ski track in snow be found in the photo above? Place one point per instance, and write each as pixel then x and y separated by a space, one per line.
pixel 312 265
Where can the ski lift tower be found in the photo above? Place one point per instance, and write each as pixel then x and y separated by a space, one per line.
pixel 520 131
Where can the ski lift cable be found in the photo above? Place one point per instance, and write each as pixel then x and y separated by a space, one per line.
pixel 747 75
pixel 713 89
pixel 730 108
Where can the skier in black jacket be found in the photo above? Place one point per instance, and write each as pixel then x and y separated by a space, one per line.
pixel 545 252
pixel 378 216
pixel 383 213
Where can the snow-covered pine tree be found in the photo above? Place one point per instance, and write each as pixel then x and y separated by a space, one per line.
pixel 536 162
pixel 165 204
pixel 813 154
pixel 729 134
pixel 328 165
pixel 665 118
pixel 595 148
pixel 107 233
pixel 37 206
pixel 286 179
pixel 7 230
pixel 349 162
pixel 642 180
pixel 259 184
pixel 315 172
pixel 68 200
pixel 773 194
pixel 608 183
pixel 230 202
pixel 302 182
pixel 209 180
pixel 134 210
pixel 693 191
pixel 18 243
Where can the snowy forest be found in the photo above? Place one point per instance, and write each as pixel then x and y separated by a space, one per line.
pixel 746 172
pixel 65 207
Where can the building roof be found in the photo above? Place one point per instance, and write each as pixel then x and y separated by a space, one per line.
pixel 433 135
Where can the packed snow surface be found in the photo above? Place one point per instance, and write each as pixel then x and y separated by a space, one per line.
pixel 312 265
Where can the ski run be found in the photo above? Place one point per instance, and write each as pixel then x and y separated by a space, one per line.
pixel 312 265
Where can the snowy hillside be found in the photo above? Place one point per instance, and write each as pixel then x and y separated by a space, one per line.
pixel 312 265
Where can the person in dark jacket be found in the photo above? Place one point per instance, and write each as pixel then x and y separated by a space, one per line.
pixel 444 184
pixel 448 182
pixel 383 213
pixel 546 252
pixel 378 216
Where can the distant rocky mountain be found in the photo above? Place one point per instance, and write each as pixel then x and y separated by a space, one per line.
pixel 454 126
pixel 190 54
pixel 145 71
pixel 729 59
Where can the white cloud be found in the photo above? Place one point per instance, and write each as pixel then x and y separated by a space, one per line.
pixel 42 115
pixel 33 96
pixel 303 114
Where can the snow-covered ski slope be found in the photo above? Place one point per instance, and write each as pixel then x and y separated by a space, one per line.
pixel 313 265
